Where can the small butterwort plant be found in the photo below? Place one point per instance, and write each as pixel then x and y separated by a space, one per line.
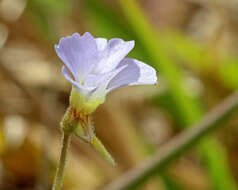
pixel 94 67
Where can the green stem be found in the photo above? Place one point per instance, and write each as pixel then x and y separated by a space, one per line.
pixel 58 181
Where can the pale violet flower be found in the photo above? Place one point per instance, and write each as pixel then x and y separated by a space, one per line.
pixel 96 66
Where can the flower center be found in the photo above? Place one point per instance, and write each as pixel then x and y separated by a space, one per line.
pixel 82 82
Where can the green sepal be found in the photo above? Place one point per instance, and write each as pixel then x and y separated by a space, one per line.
pixel 94 141
pixel 68 123
pixel 97 144
pixel 82 105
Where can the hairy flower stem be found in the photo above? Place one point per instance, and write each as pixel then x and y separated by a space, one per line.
pixel 58 180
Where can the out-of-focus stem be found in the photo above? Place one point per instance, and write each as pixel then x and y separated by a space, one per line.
pixel 176 146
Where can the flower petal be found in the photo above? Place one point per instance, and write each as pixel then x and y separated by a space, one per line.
pixel 93 80
pixel 101 43
pixel 112 54
pixel 102 89
pixel 79 54
pixel 83 89
pixel 135 73
pixel 66 74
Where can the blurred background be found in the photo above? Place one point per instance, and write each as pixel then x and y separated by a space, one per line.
pixel 193 45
